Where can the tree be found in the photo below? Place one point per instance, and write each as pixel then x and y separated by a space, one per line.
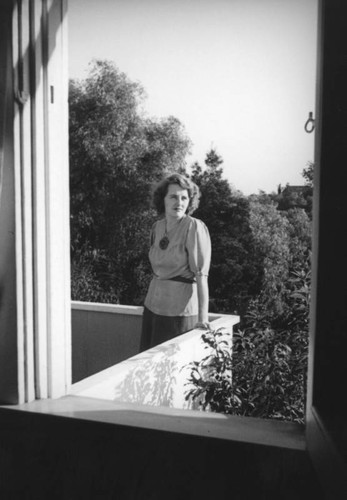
pixel 116 153
pixel 308 174
pixel 235 269
pixel 300 236
pixel 270 232
pixel 264 375
pixel 213 162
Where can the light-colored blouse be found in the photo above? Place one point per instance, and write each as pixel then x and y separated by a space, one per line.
pixel 187 255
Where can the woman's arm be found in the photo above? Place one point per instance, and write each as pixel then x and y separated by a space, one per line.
pixel 203 296
pixel 199 251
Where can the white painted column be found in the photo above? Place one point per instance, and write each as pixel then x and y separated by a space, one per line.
pixel 58 215
pixel 42 198
pixel 23 200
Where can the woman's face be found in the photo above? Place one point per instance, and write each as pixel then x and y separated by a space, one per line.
pixel 176 201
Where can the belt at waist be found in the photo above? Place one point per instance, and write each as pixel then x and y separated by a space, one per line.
pixel 182 279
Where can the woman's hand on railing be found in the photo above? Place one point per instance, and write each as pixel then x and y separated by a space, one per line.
pixel 204 325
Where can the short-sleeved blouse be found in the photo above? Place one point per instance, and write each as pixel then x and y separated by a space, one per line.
pixel 187 255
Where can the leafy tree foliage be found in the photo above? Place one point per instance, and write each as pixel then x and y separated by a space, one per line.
pixel 235 273
pixel 270 231
pixel 308 174
pixel 265 373
pixel 115 155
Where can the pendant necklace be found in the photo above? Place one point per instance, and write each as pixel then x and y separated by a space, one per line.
pixel 164 242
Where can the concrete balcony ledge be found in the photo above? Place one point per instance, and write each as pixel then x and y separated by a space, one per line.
pixel 158 376
pixel 106 334
pixel 107 308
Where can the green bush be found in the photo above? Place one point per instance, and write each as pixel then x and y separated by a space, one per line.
pixel 264 375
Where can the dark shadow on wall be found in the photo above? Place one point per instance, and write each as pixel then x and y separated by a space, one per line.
pixel 8 298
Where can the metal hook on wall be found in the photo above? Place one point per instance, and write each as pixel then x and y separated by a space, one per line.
pixel 310 123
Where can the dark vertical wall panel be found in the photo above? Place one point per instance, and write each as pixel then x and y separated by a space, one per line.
pixel 8 314
pixel 330 367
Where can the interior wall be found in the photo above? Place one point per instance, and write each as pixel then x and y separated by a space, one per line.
pixel 8 307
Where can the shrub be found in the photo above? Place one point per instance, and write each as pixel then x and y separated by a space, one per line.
pixel 264 374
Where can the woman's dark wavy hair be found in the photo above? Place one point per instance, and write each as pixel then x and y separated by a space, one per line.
pixel 161 189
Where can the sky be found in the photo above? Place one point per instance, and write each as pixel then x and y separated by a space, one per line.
pixel 239 74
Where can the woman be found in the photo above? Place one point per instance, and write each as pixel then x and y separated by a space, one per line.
pixel 180 255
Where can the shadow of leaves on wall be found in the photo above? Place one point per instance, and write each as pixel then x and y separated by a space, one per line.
pixel 151 381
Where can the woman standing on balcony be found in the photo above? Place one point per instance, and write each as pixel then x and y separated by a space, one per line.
pixel 180 255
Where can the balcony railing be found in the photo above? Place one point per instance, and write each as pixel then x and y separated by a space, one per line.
pixel 102 335
pixel 107 363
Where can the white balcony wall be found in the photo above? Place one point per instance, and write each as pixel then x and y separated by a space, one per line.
pixel 102 335
pixel 156 377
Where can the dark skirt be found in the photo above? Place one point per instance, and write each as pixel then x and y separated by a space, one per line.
pixel 157 329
